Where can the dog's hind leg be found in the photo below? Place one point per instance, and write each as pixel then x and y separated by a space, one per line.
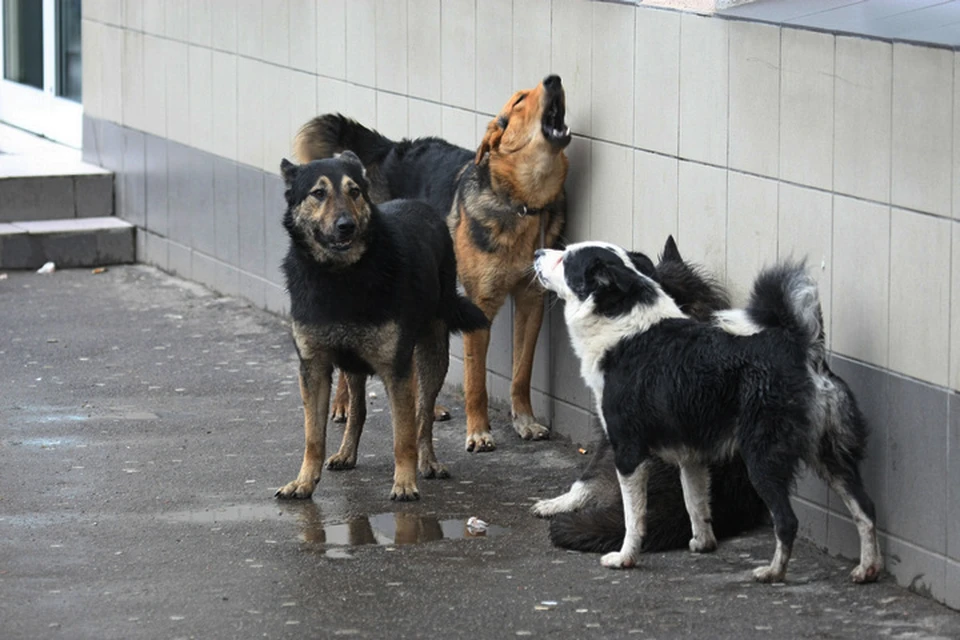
pixel 773 487
pixel 431 359
pixel 851 491
pixel 633 487
pixel 340 407
pixel 695 480
pixel 316 374
pixel 346 457
pixel 527 318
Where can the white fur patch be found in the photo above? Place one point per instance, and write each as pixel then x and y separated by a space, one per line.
pixel 736 322
pixel 574 499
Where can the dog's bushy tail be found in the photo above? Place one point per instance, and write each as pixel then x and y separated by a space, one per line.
pixel 466 316
pixel 329 134
pixel 786 296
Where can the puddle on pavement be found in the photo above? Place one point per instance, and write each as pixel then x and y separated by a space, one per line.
pixel 382 528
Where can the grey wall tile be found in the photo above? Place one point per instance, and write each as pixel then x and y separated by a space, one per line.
pixel 225 204
pixel 952 580
pixel 156 184
pixel 91 140
pixel 251 218
pixel 566 383
pixel 576 424
pixel 275 234
pixel 919 570
pixel 953 483
pixel 155 250
pixel 253 289
pixel 204 269
pixel 181 260
pixel 201 208
pixel 916 466
pixel 111 146
pixel 132 184
pixel 228 279
pixel 871 388
pixel 813 522
pixel 276 299
pixel 500 351
pixel 179 180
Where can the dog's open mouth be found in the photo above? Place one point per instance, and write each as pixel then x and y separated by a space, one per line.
pixel 554 127
pixel 340 245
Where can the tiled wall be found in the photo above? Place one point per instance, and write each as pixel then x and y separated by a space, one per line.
pixel 747 141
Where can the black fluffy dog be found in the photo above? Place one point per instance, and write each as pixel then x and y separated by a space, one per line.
pixel 589 517
pixel 372 291
pixel 753 381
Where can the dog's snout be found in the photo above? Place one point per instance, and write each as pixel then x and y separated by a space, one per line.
pixel 346 226
pixel 552 82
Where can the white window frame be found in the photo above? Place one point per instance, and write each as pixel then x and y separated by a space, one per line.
pixel 42 112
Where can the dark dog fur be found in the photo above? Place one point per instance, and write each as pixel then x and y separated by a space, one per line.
pixel 589 517
pixel 372 291
pixel 501 201
pixel 753 381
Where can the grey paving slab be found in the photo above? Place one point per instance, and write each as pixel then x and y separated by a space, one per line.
pixel 165 416
pixel 72 225
pixel 81 242
pixel 47 164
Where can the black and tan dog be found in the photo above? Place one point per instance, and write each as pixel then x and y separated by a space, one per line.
pixel 372 291
pixel 502 202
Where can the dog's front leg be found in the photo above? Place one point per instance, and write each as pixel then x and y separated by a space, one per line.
pixel 403 407
pixel 633 487
pixel 528 316
pixel 316 377
pixel 475 346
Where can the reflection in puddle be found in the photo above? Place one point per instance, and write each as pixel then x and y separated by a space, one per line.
pixel 382 528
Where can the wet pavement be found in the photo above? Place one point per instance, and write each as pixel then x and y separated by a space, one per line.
pixel 146 422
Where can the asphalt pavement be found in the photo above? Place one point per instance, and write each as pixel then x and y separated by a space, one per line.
pixel 145 423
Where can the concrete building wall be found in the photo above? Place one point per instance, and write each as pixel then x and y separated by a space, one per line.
pixel 748 142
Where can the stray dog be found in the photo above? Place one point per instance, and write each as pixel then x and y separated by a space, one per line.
pixel 589 517
pixel 502 202
pixel 755 381
pixel 373 291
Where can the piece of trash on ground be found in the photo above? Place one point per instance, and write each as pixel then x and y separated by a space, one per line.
pixel 372 394
pixel 582 451
pixel 48 267
pixel 476 526
pixel 99 270
pixel 3 276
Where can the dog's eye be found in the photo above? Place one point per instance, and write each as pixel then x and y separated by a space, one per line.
pixel 354 192
pixel 520 99
pixel 319 194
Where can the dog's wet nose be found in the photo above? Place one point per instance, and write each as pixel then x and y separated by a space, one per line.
pixel 539 253
pixel 346 226
pixel 551 82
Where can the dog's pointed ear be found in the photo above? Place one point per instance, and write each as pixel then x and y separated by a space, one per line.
pixel 289 171
pixel 610 276
pixel 643 263
pixel 491 139
pixel 670 251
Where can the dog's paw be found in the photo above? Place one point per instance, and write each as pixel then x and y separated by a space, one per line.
pixel 433 469
pixel 440 413
pixel 341 461
pixel 529 429
pixel 768 574
pixel 551 507
pixel 482 441
pixel 339 412
pixel 616 560
pixel 703 544
pixel 862 574
pixel 404 492
pixel 296 490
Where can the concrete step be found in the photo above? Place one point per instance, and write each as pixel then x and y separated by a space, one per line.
pixel 80 242
pixel 53 186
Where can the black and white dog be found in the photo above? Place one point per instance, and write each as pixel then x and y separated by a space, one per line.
pixel 755 381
